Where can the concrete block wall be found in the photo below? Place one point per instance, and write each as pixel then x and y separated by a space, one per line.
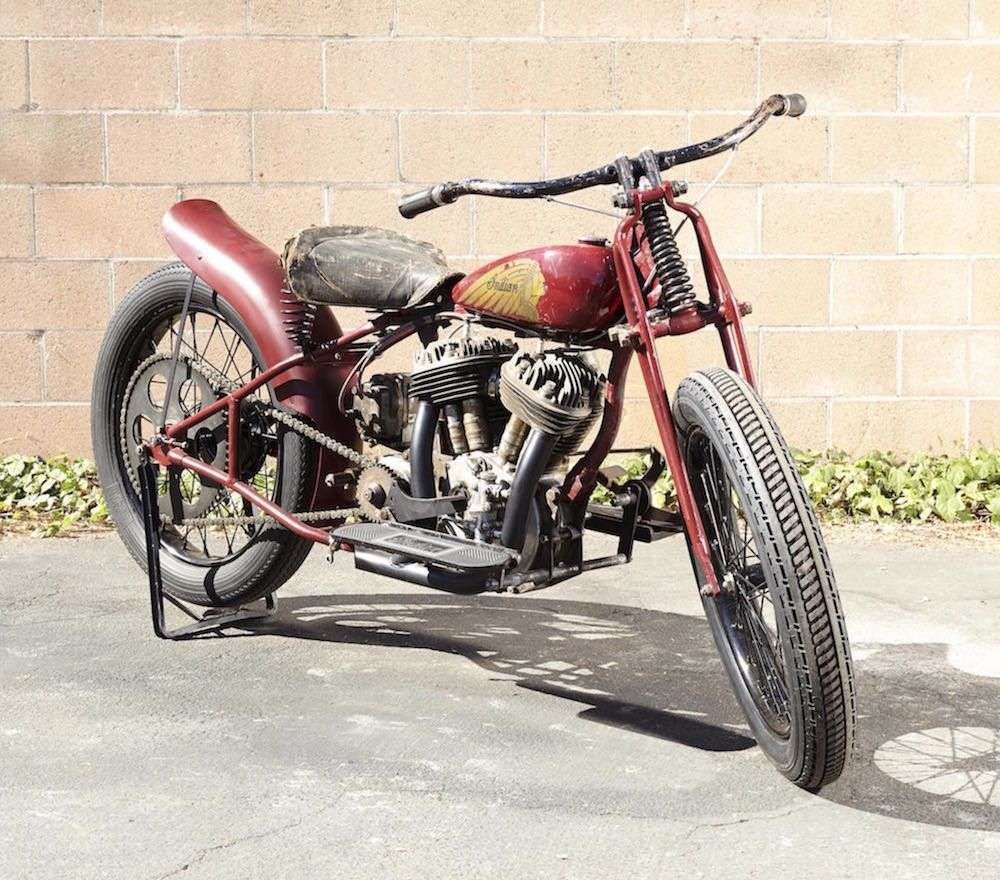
pixel 866 234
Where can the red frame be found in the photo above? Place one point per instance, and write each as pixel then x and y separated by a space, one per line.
pixel 638 337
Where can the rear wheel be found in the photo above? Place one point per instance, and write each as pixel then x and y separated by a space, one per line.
pixel 206 558
pixel 777 622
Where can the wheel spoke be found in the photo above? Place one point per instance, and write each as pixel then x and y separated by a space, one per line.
pixel 206 339
pixel 738 565
pixel 762 650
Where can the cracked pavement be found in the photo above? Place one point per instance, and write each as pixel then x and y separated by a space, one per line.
pixel 374 729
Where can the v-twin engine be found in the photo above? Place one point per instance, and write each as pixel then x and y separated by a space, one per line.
pixel 495 423
pixel 508 419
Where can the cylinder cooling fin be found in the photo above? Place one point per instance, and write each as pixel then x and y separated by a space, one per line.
pixel 453 370
pixel 557 392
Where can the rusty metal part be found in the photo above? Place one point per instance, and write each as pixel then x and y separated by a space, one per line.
pixel 224 386
pixel 220 385
pixel 412 204
pixel 381 407
pixel 193 386
pixel 456 429
pixel 305 516
pixel 512 439
pixel 374 485
pixel 477 429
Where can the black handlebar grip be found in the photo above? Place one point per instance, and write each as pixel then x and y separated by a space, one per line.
pixel 795 105
pixel 420 202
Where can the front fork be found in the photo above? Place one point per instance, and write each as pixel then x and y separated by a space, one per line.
pixel 640 335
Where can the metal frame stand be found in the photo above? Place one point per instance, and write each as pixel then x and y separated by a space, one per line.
pixel 212 621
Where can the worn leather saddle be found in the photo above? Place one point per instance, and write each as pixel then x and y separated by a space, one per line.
pixel 365 267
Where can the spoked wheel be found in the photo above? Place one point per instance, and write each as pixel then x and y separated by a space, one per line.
pixel 745 607
pixel 777 622
pixel 215 552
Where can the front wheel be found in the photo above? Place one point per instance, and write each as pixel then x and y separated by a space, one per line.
pixel 777 623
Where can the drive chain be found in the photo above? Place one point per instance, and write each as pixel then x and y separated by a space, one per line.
pixel 221 386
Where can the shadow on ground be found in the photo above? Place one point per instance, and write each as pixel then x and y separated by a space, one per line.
pixel 610 659
pixel 928 748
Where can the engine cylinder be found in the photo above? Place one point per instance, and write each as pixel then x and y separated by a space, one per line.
pixel 459 377
pixel 557 392
pixel 453 370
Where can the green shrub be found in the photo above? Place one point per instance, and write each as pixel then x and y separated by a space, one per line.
pixel 51 496
pixel 884 486
pixel 61 494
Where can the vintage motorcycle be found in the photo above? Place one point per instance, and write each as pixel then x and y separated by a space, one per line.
pixel 230 410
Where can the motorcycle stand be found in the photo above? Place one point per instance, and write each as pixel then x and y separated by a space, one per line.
pixel 213 620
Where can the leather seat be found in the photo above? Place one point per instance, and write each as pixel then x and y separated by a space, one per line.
pixel 365 267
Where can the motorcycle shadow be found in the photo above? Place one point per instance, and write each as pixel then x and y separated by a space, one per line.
pixel 649 672
pixel 928 745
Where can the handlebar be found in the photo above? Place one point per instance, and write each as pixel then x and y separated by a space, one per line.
pixel 441 194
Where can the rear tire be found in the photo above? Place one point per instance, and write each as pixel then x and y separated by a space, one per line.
pixel 769 554
pixel 270 555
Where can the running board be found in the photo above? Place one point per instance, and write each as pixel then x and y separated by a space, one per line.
pixel 414 544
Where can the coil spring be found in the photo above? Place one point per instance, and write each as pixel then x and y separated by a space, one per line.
pixel 298 318
pixel 676 290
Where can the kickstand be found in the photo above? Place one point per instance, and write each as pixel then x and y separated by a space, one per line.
pixel 211 621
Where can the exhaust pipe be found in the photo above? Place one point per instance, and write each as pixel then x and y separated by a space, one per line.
pixel 401 569
pixel 534 459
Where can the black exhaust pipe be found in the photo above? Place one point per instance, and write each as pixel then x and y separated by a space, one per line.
pixel 531 464
pixel 422 450
pixel 402 569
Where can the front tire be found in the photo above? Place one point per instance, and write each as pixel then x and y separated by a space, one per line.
pixel 778 623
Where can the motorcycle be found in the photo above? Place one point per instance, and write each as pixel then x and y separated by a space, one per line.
pixel 235 425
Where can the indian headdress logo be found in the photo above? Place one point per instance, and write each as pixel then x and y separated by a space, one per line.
pixel 511 289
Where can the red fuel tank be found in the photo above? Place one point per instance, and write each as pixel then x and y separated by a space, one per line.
pixel 569 287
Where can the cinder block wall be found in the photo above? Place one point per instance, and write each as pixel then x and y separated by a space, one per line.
pixel 866 234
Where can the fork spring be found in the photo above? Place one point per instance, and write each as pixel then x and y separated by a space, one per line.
pixel 676 290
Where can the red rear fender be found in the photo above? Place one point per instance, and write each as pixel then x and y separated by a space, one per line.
pixel 250 277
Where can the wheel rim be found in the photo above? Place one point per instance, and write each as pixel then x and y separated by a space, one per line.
pixel 209 344
pixel 745 607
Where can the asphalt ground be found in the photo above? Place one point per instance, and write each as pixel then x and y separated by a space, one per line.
pixel 371 729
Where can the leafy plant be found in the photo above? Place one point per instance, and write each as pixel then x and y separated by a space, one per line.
pixel 61 494
pixel 50 496
pixel 885 486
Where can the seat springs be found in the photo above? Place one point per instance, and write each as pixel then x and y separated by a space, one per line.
pixel 676 290
pixel 298 318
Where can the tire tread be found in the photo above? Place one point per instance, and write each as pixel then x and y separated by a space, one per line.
pixel 814 616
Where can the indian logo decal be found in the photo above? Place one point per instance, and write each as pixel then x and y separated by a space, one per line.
pixel 511 289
